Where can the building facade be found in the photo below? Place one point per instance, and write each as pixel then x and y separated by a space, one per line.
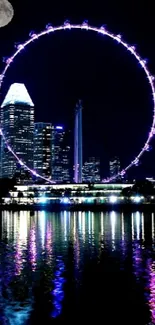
pixel 17 120
pixel 48 194
pixel 60 155
pixel 0 157
pixel 91 171
pixel 42 159
pixel 115 167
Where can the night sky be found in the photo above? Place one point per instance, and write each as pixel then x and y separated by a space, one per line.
pixel 61 68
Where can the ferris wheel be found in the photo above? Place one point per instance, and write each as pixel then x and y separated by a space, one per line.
pixel 115 37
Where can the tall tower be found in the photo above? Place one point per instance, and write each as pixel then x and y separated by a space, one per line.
pixel 17 119
pixel 78 156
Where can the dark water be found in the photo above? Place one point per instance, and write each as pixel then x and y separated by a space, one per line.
pixel 58 267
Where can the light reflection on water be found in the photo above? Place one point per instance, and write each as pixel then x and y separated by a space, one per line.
pixel 53 264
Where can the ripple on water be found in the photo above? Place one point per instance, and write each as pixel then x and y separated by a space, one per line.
pixel 77 265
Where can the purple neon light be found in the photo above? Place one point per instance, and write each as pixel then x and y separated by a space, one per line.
pixel 118 38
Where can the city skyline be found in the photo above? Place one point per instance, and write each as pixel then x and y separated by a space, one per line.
pixel 114 90
pixel 48 144
pixel 41 146
pixel 53 162
pixel 77 162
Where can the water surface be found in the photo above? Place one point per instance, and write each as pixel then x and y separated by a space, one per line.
pixel 77 266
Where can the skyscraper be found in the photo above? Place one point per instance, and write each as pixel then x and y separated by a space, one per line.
pixel 0 156
pixel 78 154
pixel 17 119
pixel 91 171
pixel 60 155
pixel 43 149
pixel 114 166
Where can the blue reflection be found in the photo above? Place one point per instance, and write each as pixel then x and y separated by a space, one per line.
pixel 17 314
pixel 43 200
pixel 58 292
pixel 65 200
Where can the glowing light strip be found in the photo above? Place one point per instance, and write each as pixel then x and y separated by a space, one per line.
pixel 118 38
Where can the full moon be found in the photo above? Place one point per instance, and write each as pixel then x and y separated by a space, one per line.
pixel 6 12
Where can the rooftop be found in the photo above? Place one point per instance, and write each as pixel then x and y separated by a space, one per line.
pixel 17 94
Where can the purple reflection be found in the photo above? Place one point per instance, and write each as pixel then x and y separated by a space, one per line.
pixel 32 249
pixel 18 257
pixel 137 260
pixel 123 240
pixel 76 251
pixel 151 300
pixel 15 292
pixel 49 243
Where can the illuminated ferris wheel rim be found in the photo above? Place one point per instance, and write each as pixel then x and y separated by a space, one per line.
pixel 103 31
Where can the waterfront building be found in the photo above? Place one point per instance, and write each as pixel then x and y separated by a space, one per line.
pixel 78 152
pixel 17 120
pixel 79 193
pixel 60 155
pixel 114 166
pixel 91 171
pixel 42 159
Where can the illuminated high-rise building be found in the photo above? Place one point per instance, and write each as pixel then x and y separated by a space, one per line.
pixel 114 166
pixel 42 149
pixel 60 155
pixel 78 152
pixel 17 119
pixel 91 171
